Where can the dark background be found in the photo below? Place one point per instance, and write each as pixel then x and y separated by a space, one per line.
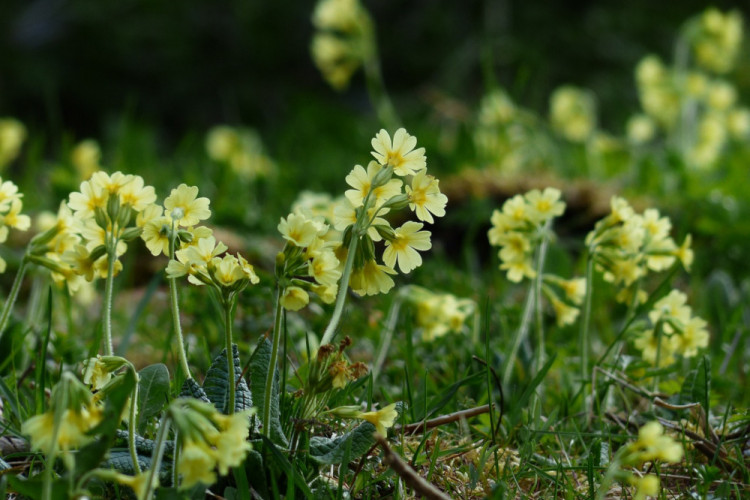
pixel 75 65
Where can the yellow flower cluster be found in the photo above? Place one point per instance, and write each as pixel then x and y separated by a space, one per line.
pixel 519 227
pixel 241 149
pixel 375 192
pixel 12 135
pixel 209 441
pixel 573 113
pixel 698 109
pixel 678 332
pixel 308 261
pixel 97 221
pixel 439 313
pixel 342 41
pixel 626 245
pixel 10 213
pixel 716 39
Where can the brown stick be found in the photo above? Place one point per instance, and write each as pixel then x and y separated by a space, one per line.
pixel 421 487
pixel 416 427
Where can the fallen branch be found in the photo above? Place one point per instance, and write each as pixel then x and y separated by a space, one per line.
pixel 424 425
pixel 421 487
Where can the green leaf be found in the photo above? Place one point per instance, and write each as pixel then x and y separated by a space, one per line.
pixel 216 384
pixel 142 445
pixel 327 451
pixel 697 385
pixel 33 487
pixel 153 392
pixel 119 459
pixel 258 372
pixel 191 389
pixel 256 471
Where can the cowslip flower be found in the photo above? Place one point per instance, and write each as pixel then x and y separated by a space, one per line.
pixel 402 248
pixel 425 198
pixel 372 279
pixel 300 230
pixel 361 181
pixel 382 419
pixel 196 463
pixel 184 206
pixel 294 298
pixel 399 153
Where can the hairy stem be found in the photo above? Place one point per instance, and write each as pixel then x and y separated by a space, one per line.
pixel 276 340
pixel 586 320
pixel 343 290
pixel 228 320
pixel 108 287
pixel 131 424
pixel 175 307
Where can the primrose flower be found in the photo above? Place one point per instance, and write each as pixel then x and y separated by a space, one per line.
pixel 372 279
pixel 299 230
pixel 231 443
pixel 382 419
pixel 647 485
pixel 72 433
pixel 652 445
pixel 196 463
pixel 136 194
pixel 12 135
pixel 96 373
pixel 399 153
pixel 544 205
pixel 185 207
pixel 85 158
pixel 425 198
pixel 403 247
pixel 573 113
pixel 294 298
pixel 361 181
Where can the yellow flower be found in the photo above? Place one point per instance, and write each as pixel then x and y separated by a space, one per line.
pixel 90 197
pixel 399 153
pixel 136 194
pixel 647 485
pixel 425 198
pixel 221 142
pixel 372 279
pixel 672 307
pixel 694 336
pixel 96 373
pixel 201 253
pixel 650 348
pixel 183 206
pixel 515 246
pixel 294 298
pixel 518 269
pixel 685 253
pixel 566 315
pixel 652 444
pixel 72 429
pixel 227 270
pixel 196 464
pixel 382 419
pixel 361 181
pixel 573 113
pixel 324 267
pixel 8 193
pixel 300 230
pixel 544 205
pixel 14 218
pixel 247 269
pixel 110 184
pixel 640 129
pixel 404 245
pixel 12 135
pixel 156 235
pixel 231 442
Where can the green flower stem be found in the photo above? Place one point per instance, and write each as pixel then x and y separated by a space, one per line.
pixel 228 320
pixel 131 424
pixel 584 332
pixel 175 460
pixel 156 458
pixel 390 327
pixel 343 290
pixel 175 306
pixel 108 287
pixel 12 296
pixel 541 257
pixel 276 340
pixel 521 333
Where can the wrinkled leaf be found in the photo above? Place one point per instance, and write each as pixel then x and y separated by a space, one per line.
pixel 216 384
pixel 153 392
pixel 258 371
pixel 255 470
pixel 191 389
pixel 119 459
pixel 353 444
pixel 143 445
